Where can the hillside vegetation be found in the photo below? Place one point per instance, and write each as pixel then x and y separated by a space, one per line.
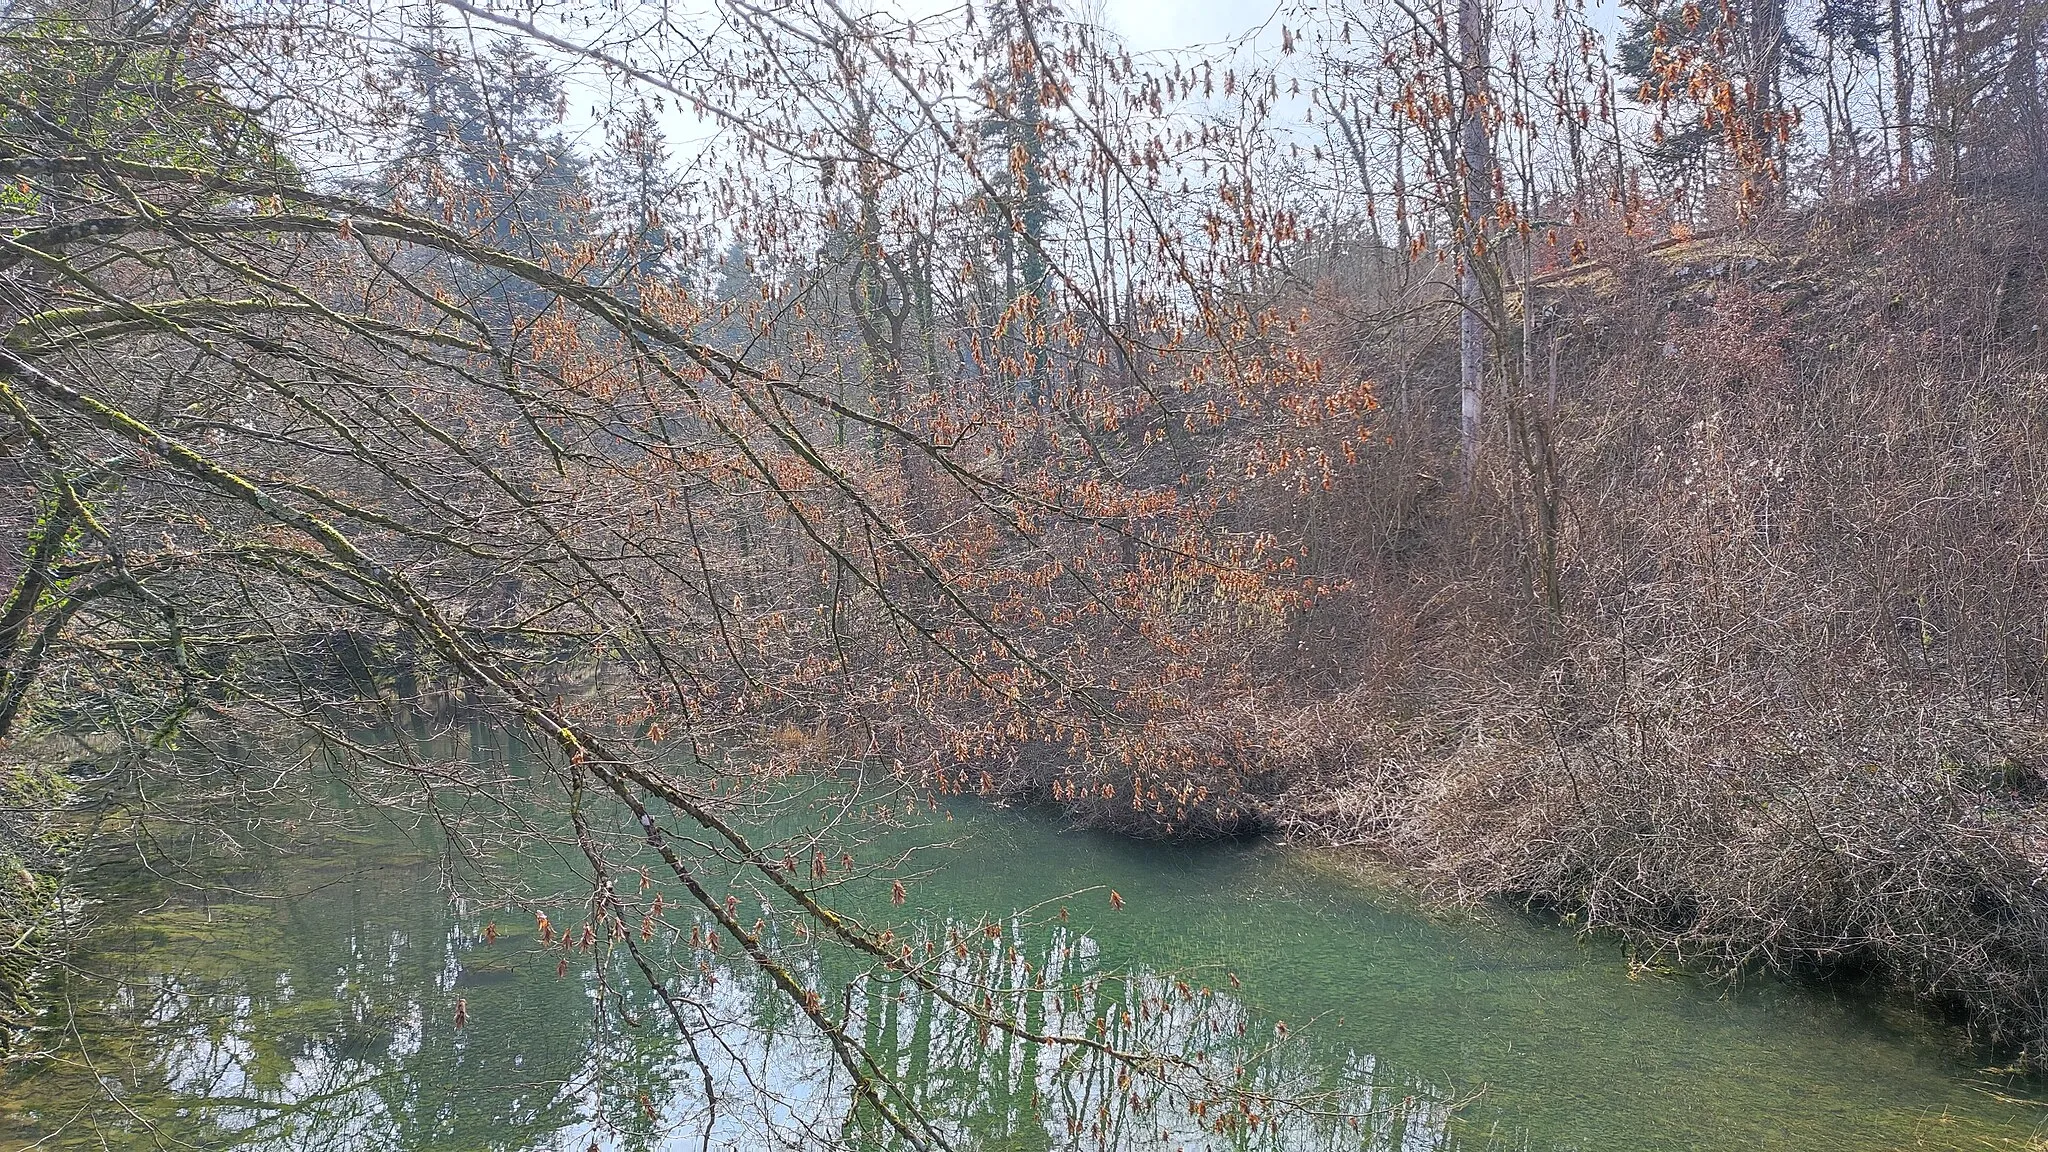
pixel 1787 709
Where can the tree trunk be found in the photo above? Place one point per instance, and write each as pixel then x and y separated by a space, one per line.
pixel 1476 159
pixel 1902 93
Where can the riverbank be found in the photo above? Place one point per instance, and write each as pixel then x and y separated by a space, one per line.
pixel 1833 859
pixel 33 863
pixel 1830 857
pixel 1765 687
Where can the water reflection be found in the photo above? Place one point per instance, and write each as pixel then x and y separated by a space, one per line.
pixel 328 1019
pixel 331 1021
pixel 1247 1085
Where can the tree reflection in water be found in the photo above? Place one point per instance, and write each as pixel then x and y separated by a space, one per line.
pixel 328 1021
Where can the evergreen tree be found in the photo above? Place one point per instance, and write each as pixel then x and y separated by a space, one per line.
pixel 1020 135
pixel 638 192
pixel 478 146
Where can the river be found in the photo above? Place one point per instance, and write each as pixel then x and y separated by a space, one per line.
pixel 304 997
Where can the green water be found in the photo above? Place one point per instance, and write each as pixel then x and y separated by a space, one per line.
pixel 304 998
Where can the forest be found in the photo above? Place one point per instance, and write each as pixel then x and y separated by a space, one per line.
pixel 1580 458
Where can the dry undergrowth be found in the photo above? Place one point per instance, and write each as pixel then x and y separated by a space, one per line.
pixel 1791 711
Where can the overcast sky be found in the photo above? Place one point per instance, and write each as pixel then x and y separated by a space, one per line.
pixel 1153 24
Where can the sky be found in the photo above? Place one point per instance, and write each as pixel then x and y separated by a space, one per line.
pixel 1151 25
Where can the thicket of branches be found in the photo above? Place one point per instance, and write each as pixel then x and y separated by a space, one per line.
pixel 338 382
